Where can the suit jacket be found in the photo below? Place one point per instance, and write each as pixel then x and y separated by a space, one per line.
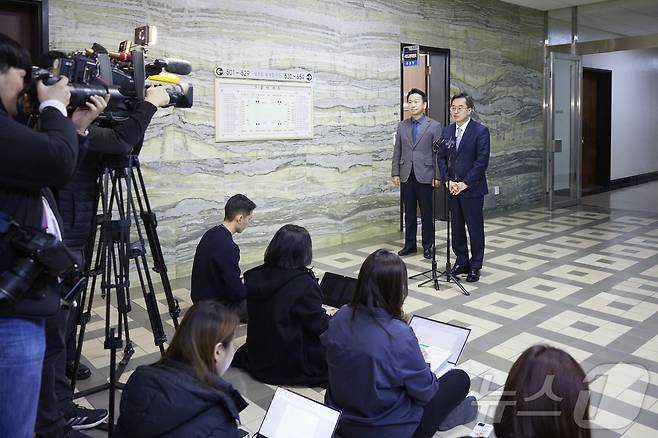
pixel 406 153
pixel 469 162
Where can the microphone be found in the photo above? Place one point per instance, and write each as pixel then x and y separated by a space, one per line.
pixel 173 65
pixel 447 143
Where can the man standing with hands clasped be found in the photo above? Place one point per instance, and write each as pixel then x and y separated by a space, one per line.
pixel 462 169
pixel 413 169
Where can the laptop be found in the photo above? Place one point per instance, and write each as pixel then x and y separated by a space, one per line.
pixel 337 290
pixel 442 343
pixel 291 415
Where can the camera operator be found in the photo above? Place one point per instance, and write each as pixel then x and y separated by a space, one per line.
pixel 77 203
pixel 31 161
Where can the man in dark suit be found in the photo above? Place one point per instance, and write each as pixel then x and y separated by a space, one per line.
pixel 462 165
pixel 216 267
pixel 414 169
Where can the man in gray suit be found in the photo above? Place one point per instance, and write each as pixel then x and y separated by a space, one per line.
pixel 413 167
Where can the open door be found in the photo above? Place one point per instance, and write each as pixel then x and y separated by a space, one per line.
pixel 564 145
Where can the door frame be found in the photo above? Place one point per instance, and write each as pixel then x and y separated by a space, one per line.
pixel 429 51
pixel 575 134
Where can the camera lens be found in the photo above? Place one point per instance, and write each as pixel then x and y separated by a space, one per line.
pixel 17 281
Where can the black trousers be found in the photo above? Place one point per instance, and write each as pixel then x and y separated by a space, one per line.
pixel 467 212
pixel 415 193
pixel 55 387
pixel 453 388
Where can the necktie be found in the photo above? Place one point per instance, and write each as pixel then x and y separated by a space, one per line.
pixel 459 137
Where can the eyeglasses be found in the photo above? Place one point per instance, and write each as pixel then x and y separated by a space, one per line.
pixel 458 108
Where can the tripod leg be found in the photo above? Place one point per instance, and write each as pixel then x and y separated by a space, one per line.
pixel 150 227
pixel 146 283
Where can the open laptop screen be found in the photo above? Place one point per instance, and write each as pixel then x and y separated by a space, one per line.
pixel 440 334
pixel 293 415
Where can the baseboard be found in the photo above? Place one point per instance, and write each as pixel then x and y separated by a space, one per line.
pixel 633 180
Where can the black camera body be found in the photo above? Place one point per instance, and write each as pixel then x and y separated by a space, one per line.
pixel 39 252
pixel 122 75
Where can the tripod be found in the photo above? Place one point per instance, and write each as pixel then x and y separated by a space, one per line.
pixel 449 147
pixel 122 194
pixel 431 274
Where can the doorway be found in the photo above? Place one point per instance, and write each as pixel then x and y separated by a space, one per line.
pixel 26 21
pixel 431 74
pixel 597 109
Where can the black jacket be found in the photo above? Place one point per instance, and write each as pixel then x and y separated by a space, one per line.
pixel 32 161
pixel 77 199
pixel 169 401
pixel 285 323
pixel 216 268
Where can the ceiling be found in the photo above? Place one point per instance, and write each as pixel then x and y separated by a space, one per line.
pixel 602 19
pixel 547 5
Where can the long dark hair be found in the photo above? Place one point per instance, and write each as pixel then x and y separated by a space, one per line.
pixel 382 283
pixel 545 396
pixel 290 248
pixel 204 325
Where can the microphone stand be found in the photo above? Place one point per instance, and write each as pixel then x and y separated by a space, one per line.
pixel 450 150
pixel 434 277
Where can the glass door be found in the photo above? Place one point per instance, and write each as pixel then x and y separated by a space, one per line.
pixel 564 140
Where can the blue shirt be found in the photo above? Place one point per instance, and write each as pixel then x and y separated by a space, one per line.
pixel 415 126
pixel 378 378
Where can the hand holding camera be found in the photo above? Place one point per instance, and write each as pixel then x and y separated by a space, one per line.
pixel 83 116
pixel 157 95
pixel 58 91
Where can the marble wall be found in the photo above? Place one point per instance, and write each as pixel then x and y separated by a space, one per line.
pixel 337 184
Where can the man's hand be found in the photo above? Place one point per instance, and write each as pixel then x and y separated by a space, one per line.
pixel 83 116
pixel 395 180
pixel 157 96
pixel 436 183
pixel 457 187
pixel 58 91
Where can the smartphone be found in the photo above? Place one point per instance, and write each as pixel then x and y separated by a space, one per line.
pixel 482 430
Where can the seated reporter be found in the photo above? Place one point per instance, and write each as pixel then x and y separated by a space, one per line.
pixel 545 395
pixel 378 377
pixel 286 318
pixel 31 162
pixel 184 395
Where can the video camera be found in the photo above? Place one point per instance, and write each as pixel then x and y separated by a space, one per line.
pixel 122 75
pixel 39 252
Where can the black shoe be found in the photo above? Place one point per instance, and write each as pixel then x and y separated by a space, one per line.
pixel 473 276
pixel 80 418
pixel 458 269
pixel 83 371
pixel 406 251
pixel 427 252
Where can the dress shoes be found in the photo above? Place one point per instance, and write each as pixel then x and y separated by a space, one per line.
pixel 459 269
pixel 473 276
pixel 406 251
pixel 427 252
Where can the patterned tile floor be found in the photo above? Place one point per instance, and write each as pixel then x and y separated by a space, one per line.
pixel 584 279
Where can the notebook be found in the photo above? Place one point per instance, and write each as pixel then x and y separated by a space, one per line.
pixel 291 415
pixel 441 342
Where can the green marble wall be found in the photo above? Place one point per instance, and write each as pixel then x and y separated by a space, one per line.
pixel 338 184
